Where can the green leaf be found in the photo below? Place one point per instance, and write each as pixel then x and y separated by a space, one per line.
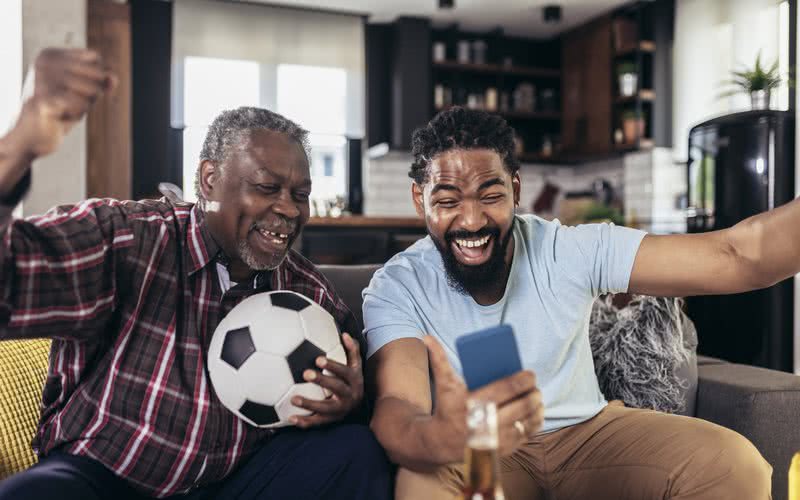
pixel 757 78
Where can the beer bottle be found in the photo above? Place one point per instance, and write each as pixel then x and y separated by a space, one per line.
pixel 794 478
pixel 482 474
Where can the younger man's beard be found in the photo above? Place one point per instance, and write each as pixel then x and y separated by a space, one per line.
pixel 463 278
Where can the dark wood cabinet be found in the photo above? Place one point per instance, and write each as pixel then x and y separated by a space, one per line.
pixel 586 89
pixel 600 113
pixel 398 58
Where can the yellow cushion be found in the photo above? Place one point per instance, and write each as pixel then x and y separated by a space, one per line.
pixel 23 370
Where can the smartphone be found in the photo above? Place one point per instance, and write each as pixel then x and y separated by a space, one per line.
pixel 488 355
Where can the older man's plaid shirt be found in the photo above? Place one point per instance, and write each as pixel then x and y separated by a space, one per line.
pixel 130 295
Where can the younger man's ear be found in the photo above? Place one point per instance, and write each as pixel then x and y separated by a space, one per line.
pixel 417 197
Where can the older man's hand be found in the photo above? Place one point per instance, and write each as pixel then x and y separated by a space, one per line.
pixel 345 382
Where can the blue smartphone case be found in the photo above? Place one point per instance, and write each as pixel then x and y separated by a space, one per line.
pixel 488 355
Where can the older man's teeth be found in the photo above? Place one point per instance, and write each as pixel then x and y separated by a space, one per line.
pixel 277 238
pixel 473 243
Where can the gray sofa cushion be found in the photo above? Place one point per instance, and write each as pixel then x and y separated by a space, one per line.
pixel 349 281
pixel 762 405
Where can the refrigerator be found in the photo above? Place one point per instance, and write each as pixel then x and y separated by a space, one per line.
pixel 739 165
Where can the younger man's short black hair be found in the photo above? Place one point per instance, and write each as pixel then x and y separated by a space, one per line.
pixel 461 128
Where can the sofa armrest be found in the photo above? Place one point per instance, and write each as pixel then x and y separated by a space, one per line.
pixel 762 405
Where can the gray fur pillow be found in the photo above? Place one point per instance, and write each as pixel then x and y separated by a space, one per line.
pixel 639 349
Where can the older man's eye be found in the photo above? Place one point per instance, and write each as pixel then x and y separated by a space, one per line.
pixel 302 195
pixel 447 203
pixel 267 188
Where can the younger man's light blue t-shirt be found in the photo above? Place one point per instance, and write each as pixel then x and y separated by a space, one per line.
pixel 556 274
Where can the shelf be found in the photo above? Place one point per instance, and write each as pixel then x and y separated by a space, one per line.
pixel 645 95
pixel 361 221
pixel 644 143
pixel 498 69
pixel 568 158
pixel 538 158
pixel 535 115
pixel 644 46
pixel 521 115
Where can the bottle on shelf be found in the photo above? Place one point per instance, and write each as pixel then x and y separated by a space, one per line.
pixel 504 102
pixel 547 146
pixel 548 100
pixel 525 97
pixel 491 99
pixel 479 52
pixel 463 52
pixel 438 96
pixel 439 52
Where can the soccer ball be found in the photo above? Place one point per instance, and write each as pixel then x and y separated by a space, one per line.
pixel 260 349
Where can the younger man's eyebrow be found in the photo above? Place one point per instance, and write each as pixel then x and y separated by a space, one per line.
pixel 444 187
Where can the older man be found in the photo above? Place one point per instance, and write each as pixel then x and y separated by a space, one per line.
pixel 130 293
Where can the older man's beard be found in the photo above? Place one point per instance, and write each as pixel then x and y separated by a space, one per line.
pixel 265 262
pixel 465 279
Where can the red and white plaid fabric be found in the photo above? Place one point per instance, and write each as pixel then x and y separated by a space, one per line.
pixel 129 293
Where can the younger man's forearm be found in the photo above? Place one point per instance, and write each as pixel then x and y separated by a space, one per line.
pixel 407 434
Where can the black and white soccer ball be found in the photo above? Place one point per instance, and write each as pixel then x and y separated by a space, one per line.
pixel 260 349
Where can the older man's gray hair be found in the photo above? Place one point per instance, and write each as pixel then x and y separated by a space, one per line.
pixel 230 127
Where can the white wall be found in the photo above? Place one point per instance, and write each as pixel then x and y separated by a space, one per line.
pixel 713 38
pixel 10 61
pixel 61 177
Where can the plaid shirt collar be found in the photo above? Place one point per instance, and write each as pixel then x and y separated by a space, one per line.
pixel 204 250
pixel 200 245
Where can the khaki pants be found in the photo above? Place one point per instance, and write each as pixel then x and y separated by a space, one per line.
pixel 622 453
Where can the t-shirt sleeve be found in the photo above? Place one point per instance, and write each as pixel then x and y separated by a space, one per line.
pixel 388 312
pixel 599 256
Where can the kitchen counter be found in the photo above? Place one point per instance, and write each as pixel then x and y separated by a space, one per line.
pixel 358 239
pixel 361 221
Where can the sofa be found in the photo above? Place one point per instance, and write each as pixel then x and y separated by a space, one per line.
pixel 763 405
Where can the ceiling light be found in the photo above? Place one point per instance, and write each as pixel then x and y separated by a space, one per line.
pixel 551 13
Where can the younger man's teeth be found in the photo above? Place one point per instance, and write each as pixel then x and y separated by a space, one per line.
pixel 473 243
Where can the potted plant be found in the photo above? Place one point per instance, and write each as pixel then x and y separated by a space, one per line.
pixel 758 82
pixel 628 79
pixel 633 125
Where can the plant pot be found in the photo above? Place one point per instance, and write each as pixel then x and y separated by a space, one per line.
pixel 632 129
pixel 759 99
pixel 628 83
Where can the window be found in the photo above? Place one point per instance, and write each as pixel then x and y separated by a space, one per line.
pixel 304 64
pixel 210 87
pixel 320 109
pixel 328 163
